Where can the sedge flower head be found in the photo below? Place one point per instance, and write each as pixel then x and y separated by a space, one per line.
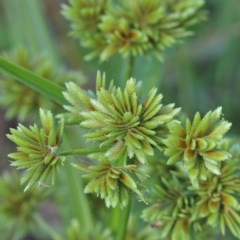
pixel 131 27
pixel 198 144
pixel 170 209
pixel 218 197
pixel 37 150
pixel 121 121
pixel 112 183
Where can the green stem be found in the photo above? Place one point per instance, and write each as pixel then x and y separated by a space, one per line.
pixel 122 221
pixel 12 230
pixel 121 216
pixel 79 201
pixel 46 227
pixel 129 67
pixel 82 151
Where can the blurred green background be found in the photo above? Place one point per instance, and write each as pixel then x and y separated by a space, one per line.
pixel 200 74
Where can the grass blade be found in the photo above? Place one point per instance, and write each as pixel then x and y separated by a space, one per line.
pixel 40 84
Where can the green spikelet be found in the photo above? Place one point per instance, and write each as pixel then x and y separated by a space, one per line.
pixel 85 16
pixel 132 27
pixel 170 210
pixel 21 101
pixel 37 150
pixel 121 121
pixel 218 201
pixel 112 183
pixel 198 144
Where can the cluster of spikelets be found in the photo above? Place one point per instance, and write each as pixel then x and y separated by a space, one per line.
pixel 131 27
pixel 127 126
pixel 171 209
pixel 129 129
pixel 120 120
pixel 180 211
pixel 37 150
pixel 18 209
pixel 198 144
pixel 112 183
pixel 21 101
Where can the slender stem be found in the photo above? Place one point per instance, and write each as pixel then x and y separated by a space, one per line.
pixel 123 220
pixel 82 151
pixel 46 227
pixel 122 215
pixel 79 200
pixel 129 67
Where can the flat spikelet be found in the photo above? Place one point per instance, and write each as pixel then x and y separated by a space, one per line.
pixel 171 209
pixel 198 144
pixel 112 183
pixel 37 149
pixel 218 201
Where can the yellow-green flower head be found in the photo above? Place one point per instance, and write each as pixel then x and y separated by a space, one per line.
pixel 16 207
pixel 112 183
pixel 132 27
pixel 85 16
pixel 21 101
pixel 123 122
pixel 198 144
pixel 218 201
pixel 171 209
pixel 37 150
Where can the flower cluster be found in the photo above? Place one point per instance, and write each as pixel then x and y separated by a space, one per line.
pixel 123 124
pixel 218 198
pixel 171 210
pixel 131 27
pixel 178 210
pixel 112 183
pixel 37 150
pixel 122 121
pixel 198 144
pixel 21 101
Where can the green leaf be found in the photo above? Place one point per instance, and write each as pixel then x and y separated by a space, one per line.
pixel 34 81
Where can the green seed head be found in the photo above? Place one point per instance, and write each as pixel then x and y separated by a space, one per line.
pixel 131 27
pixel 37 150
pixel 198 144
